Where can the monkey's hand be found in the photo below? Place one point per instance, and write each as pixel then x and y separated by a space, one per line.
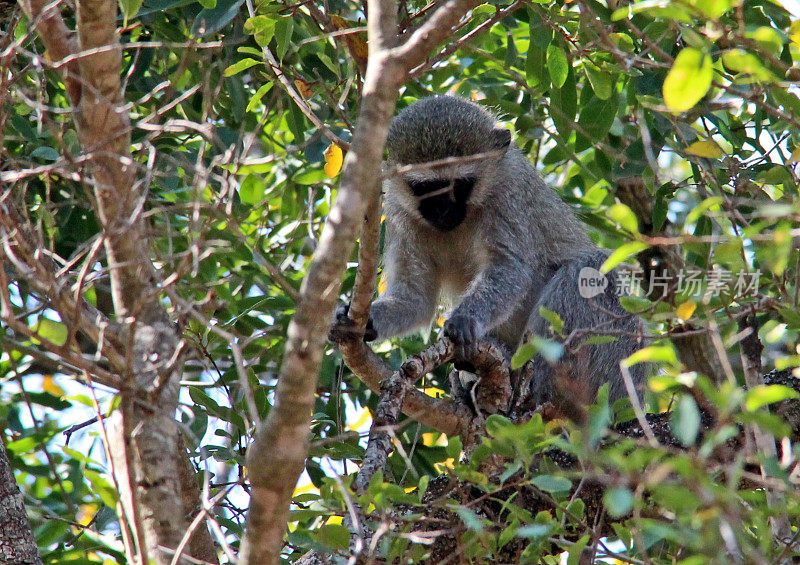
pixel 344 328
pixel 464 331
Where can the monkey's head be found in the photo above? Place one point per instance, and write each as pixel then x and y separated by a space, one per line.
pixel 443 127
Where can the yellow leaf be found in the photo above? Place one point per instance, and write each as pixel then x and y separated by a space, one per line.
pixel 685 310
pixel 49 385
pixel 382 285
pixel 705 148
pixel 366 416
pixel 434 392
pixel 86 513
pixel 432 439
pixel 303 88
pixel 333 160
pixel 305 489
pixel 356 42
pixel 794 31
pixel 334 520
pixel 440 321
pixel 795 158
pixel 448 463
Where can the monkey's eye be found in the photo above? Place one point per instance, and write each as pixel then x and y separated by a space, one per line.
pixel 423 187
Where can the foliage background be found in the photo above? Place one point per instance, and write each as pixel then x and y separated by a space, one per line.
pixel 692 103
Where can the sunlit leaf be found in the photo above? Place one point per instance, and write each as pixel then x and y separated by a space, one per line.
pixel 240 66
pixel 741 61
pixel 622 253
pixel 52 331
pixel 762 395
pixel 686 309
pixel 688 80
pixel 705 148
pixel 652 353
pixel 49 385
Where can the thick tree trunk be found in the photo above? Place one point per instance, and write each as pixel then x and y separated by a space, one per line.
pixel 17 544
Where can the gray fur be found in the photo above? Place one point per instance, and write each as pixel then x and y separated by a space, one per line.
pixel 517 247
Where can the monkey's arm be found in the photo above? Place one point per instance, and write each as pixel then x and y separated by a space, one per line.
pixel 490 300
pixel 411 293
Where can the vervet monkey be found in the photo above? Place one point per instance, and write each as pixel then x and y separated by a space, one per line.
pixel 487 234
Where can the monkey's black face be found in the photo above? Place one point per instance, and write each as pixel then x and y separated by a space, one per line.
pixel 443 202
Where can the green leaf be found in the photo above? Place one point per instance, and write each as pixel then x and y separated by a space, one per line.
pixel 688 80
pixel 496 424
pixel 622 253
pixel 557 65
pixel 52 331
pixel 595 121
pixel 262 28
pixel 335 536
pixel 310 177
pixel 712 9
pixel 553 318
pixel 284 28
pixel 129 8
pixel 635 304
pixel 618 501
pixel 454 447
pixel 256 99
pixel 552 483
pixel 791 317
pixel 762 395
pixel 210 21
pixel 45 153
pixel 576 551
pixel 740 61
pixel 563 104
pixel 240 66
pixel 652 353
pixel 534 530
pixel 251 190
pixel 710 203
pixel 624 216
pixel 600 80
pixel 524 353
pixel 769 39
pixel 685 420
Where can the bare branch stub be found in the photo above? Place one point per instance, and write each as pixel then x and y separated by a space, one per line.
pixel 493 395
pixel 390 402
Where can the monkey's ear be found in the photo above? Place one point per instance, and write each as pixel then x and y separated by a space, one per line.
pixel 501 138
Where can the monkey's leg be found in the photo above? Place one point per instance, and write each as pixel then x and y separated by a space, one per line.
pixel 591 308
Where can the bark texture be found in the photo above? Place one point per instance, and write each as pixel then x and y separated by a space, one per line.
pixel 17 544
